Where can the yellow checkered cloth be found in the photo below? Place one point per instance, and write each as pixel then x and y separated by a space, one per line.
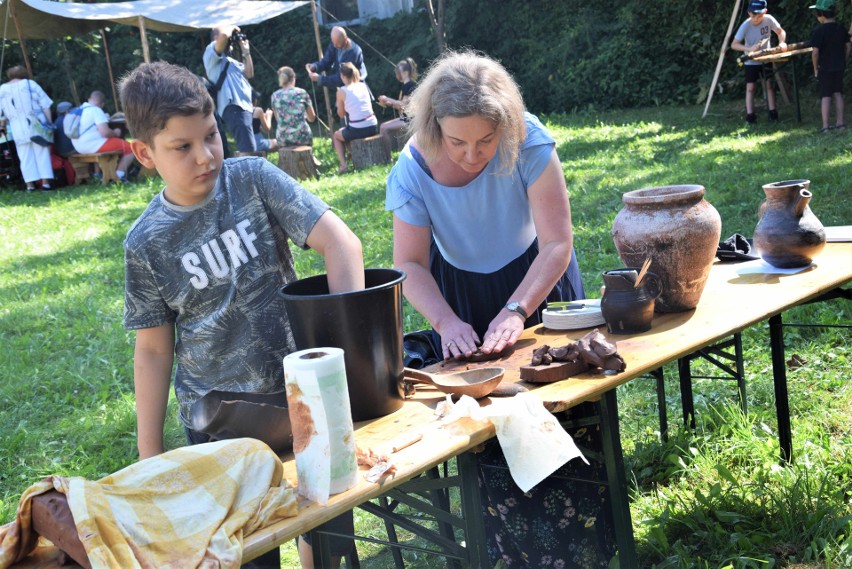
pixel 190 507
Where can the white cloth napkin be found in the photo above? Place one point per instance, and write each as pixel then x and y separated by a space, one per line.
pixel 533 441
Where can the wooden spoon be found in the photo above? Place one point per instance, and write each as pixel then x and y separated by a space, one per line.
pixel 642 272
pixel 475 383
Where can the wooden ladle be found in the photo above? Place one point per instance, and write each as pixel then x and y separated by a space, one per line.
pixel 476 383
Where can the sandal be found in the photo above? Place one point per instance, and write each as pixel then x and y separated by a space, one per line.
pixel 824 130
pixel 839 127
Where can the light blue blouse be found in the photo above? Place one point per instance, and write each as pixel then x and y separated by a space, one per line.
pixel 482 226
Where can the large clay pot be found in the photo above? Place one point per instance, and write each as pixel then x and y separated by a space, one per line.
pixel 679 231
pixel 788 234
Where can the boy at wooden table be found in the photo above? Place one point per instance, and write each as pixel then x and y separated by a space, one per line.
pixel 755 34
pixel 205 261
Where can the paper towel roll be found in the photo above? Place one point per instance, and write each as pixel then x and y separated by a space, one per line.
pixel 321 418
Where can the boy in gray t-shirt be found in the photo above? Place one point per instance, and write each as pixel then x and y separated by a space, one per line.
pixel 205 261
pixel 753 35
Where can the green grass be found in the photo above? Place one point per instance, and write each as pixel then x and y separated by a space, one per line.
pixel 715 497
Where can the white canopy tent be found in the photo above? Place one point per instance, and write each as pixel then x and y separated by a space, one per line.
pixel 45 19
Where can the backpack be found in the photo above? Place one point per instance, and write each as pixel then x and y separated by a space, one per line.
pixel 71 123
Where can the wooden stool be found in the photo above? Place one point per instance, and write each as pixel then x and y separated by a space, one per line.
pixel 298 161
pixel 106 161
pixel 369 151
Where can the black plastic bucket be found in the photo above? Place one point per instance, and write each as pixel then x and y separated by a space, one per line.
pixel 365 324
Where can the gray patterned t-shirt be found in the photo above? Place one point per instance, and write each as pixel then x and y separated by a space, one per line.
pixel 215 270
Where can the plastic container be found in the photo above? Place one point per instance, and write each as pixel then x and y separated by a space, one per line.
pixel 365 324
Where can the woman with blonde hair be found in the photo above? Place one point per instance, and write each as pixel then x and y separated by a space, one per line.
pixel 482 229
pixel 293 111
pixel 355 105
pixel 406 73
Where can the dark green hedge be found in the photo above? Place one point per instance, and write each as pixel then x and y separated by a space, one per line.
pixel 567 55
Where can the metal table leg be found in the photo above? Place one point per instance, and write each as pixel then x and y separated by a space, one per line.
pixel 614 460
pixel 779 378
pixel 474 530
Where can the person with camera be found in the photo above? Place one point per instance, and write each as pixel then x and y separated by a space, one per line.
pixel 229 76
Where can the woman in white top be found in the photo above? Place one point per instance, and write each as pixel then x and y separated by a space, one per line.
pixel 19 98
pixel 355 104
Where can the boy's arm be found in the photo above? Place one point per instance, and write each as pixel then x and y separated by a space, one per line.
pixel 815 61
pixel 341 250
pixel 782 38
pixel 152 371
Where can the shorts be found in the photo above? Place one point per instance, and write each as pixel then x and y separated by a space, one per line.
pixel 353 133
pixel 754 73
pixel 830 82
pixel 344 524
pixel 261 142
pixel 115 144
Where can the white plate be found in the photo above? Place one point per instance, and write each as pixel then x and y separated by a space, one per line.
pixel 589 316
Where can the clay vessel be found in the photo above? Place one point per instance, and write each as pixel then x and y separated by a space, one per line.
pixel 679 231
pixel 626 307
pixel 788 234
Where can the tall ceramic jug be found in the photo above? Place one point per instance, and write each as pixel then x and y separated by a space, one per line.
pixel 628 306
pixel 788 234
pixel 679 231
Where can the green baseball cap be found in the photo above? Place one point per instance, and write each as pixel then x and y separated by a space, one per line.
pixel 824 5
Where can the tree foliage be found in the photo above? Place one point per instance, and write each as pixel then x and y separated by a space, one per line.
pixel 566 55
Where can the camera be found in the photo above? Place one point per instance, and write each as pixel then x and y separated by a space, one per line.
pixel 235 43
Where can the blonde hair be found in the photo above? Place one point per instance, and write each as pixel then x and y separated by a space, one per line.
pixel 286 75
pixel 350 72
pixel 463 84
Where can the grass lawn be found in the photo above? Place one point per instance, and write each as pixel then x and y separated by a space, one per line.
pixel 712 498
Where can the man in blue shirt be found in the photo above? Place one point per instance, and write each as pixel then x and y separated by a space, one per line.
pixel 233 98
pixel 341 50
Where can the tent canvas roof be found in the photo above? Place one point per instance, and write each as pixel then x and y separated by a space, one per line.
pixel 43 19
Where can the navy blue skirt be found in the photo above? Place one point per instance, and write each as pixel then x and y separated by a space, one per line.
pixel 477 297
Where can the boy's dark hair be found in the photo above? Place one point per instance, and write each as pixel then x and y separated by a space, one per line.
pixel 826 13
pixel 153 93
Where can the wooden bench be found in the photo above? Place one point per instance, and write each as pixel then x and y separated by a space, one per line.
pixel 298 161
pixel 369 151
pixel 106 161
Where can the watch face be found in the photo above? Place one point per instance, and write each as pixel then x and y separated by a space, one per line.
pixel 513 306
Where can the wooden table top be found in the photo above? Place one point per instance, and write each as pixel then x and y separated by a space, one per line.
pixel 730 302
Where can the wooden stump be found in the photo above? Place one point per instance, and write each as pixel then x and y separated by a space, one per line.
pixel 298 161
pixel 369 151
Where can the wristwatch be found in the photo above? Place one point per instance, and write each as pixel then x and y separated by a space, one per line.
pixel 515 307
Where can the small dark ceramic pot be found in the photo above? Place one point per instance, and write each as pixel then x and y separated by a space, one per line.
pixel 626 308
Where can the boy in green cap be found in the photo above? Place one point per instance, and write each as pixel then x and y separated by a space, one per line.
pixel 831 50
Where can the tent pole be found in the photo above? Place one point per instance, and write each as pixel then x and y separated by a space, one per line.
pixel 143 36
pixel 319 51
pixel 65 60
pixel 109 70
pixel 722 56
pixel 21 39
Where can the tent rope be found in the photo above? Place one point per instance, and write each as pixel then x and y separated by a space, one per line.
pixel 274 70
pixel 361 39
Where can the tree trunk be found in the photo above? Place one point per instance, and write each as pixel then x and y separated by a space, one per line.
pixel 437 23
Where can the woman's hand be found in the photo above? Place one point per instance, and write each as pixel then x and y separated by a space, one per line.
pixel 459 339
pixel 382 100
pixel 503 331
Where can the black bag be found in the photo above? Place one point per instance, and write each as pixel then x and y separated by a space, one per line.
pixel 420 349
